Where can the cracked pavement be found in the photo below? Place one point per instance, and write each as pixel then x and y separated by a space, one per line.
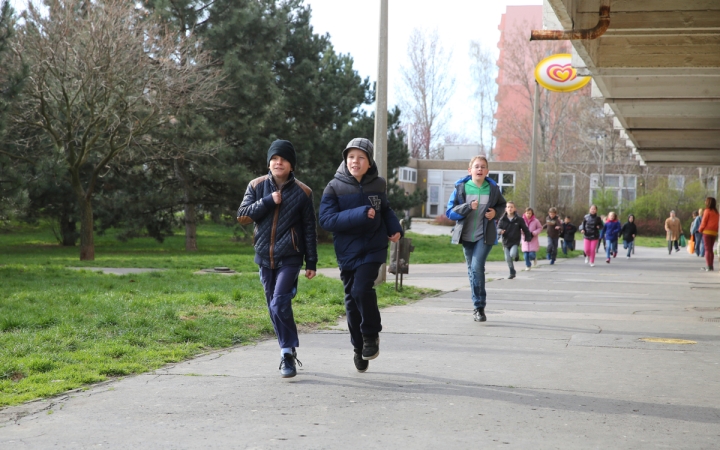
pixel 558 364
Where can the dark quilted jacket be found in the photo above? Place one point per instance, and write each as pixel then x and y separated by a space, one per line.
pixel 284 233
pixel 591 224
pixel 343 211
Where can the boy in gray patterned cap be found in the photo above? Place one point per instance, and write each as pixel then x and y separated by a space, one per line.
pixel 355 208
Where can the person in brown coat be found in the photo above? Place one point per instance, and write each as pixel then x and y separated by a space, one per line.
pixel 673 230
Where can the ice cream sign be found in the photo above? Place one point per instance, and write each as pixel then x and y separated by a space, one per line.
pixel 555 73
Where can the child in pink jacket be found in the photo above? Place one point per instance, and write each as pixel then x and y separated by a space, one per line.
pixel 529 248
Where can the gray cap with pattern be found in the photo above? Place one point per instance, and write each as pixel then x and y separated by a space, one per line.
pixel 360 144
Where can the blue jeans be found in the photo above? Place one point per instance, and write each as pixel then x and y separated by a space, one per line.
pixel 567 245
pixel 699 245
pixel 629 246
pixel 475 255
pixel 552 247
pixel 510 254
pixel 610 247
pixel 529 257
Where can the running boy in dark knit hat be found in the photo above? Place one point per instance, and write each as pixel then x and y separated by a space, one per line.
pixel 355 208
pixel 282 209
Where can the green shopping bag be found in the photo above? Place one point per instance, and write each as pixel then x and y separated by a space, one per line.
pixel 683 242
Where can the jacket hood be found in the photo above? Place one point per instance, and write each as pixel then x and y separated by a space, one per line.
pixel 343 174
pixel 468 177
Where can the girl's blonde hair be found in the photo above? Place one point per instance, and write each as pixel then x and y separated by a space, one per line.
pixel 475 158
pixel 612 213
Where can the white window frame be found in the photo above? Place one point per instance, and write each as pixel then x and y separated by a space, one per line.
pixel 565 187
pixel 628 182
pixel 407 175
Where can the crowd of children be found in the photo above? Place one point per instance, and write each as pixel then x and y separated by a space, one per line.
pixel 355 209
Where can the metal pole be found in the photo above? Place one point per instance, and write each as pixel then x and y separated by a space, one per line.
pixel 380 138
pixel 533 150
pixel 381 94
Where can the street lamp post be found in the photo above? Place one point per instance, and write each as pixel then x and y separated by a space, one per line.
pixel 533 150
pixel 380 137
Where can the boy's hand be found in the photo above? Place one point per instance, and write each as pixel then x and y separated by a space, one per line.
pixel 371 213
pixel 310 274
pixel 277 197
pixel 490 214
pixel 395 237
pixel 502 231
pixel 474 204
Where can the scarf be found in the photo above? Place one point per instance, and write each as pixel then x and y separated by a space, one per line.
pixel 527 221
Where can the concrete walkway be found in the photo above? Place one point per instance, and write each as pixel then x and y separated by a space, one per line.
pixel 560 363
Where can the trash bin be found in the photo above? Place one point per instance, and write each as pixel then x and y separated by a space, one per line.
pixel 400 258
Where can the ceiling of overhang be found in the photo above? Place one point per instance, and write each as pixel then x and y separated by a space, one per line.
pixel 658 68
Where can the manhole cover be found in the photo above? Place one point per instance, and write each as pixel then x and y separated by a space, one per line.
pixel 668 341
pixel 713 319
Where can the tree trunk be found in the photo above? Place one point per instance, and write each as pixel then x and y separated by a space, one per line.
pixel 190 214
pixel 68 230
pixel 190 226
pixel 87 239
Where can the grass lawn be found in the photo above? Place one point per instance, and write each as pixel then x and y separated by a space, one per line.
pixel 61 329
pixel 649 241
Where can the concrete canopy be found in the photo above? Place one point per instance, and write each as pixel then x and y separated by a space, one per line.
pixel 658 68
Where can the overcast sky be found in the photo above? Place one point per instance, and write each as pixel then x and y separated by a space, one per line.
pixel 353 28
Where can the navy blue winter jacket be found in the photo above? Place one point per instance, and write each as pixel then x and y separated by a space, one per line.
pixel 344 212
pixel 284 233
pixel 612 230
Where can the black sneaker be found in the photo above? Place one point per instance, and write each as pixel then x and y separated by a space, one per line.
pixel 360 364
pixel 479 315
pixel 287 365
pixel 371 347
pixel 512 275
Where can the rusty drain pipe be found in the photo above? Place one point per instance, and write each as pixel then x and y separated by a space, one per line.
pixel 590 33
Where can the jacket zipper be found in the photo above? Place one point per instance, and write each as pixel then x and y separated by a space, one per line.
pixel 274 229
pixel 292 236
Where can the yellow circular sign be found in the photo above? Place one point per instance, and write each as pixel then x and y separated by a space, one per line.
pixel 555 73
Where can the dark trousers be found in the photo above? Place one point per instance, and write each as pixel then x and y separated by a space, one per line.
pixel 280 287
pixel 567 245
pixel 676 243
pixel 361 308
pixel 552 248
pixel 709 241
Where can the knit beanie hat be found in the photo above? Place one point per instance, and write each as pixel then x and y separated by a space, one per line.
pixel 284 149
pixel 360 144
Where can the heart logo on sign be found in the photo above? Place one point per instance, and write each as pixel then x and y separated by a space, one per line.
pixel 561 74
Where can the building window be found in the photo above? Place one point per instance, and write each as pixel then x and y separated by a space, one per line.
pixel 433 200
pixel 407 175
pixel 710 184
pixel 566 189
pixel 505 180
pixel 676 182
pixel 623 187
